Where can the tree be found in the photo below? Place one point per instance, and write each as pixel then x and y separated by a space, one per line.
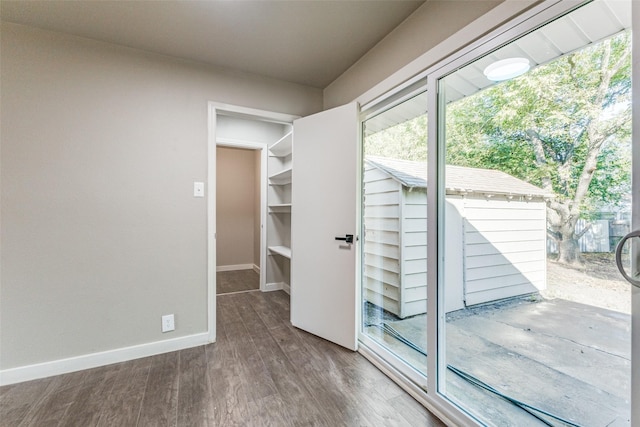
pixel 406 140
pixel 555 127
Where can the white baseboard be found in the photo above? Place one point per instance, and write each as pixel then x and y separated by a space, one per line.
pixel 279 286
pixel 270 287
pixel 256 268
pixel 235 267
pixel 94 360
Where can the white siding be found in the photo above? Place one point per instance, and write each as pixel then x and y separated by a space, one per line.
pixel 496 248
pixel 382 239
pixel 414 252
pixel 505 248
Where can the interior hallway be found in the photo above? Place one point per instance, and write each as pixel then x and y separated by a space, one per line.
pixel 261 371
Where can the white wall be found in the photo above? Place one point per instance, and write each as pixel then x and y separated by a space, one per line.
pixel 100 231
pixel 236 207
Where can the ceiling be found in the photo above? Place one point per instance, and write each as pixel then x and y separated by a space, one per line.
pixel 310 42
pixel 585 26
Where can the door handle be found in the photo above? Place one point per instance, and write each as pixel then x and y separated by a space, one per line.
pixel 629 279
pixel 347 238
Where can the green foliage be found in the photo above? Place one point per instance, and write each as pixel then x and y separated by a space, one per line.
pixel 406 141
pixel 565 126
pixel 545 126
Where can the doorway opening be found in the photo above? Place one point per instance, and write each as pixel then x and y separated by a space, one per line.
pixel 238 219
pixel 239 226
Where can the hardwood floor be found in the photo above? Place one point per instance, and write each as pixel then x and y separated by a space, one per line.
pixel 237 281
pixel 261 371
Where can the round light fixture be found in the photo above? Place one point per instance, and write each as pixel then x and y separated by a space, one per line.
pixel 506 69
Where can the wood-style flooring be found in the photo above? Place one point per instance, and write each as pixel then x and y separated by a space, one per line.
pixel 237 281
pixel 261 371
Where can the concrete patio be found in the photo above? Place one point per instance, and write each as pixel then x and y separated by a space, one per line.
pixel 561 357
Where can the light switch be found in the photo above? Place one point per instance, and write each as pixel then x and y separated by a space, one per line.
pixel 198 189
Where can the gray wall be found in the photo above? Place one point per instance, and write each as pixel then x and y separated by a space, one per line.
pixel 100 232
pixel 429 25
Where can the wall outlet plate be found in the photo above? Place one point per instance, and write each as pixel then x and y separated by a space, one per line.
pixel 198 189
pixel 168 323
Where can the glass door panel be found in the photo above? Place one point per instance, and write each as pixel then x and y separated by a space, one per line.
pixel 394 234
pixel 536 320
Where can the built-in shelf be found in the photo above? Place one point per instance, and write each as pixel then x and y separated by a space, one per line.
pixel 281 250
pixel 283 147
pixel 279 166
pixel 280 208
pixel 281 178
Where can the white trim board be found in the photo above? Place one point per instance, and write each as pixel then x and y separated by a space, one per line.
pixel 270 287
pixel 94 360
pixel 237 267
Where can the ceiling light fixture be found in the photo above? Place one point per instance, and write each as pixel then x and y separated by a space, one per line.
pixel 506 69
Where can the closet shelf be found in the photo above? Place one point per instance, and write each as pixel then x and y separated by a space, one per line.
pixel 280 208
pixel 281 250
pixel 281 178
pixel 283 147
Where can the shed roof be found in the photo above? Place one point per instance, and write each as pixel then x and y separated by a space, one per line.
pixel 460 179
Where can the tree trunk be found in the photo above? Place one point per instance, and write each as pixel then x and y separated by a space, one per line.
pixel 562 227
pixel 569 251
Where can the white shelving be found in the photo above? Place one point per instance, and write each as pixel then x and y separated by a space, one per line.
pixel 281 250
pixel 281 178
pixel 280 172
pixel 283 147
pixel 280 208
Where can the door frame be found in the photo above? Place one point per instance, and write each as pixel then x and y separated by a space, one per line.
pixel 214 109
pixel 635 207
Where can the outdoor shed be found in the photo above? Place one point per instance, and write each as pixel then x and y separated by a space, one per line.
pixel 496 236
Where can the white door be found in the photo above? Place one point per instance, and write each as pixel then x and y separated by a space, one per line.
pixel 323 198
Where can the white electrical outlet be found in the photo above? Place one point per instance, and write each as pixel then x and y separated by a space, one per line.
pixel 168 324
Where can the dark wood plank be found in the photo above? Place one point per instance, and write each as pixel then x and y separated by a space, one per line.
pixel 237 281
pixel 261 372
pixel 159 406
pixel 122 403
pixel 193 391
pixel 86 408
pixel 413 412
pixel 52 408
pixel 228 404
pixel 16 400
pixel 255 380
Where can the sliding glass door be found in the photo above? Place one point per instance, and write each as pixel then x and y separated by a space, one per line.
pixel 394 231
pixel 534 193
pixel 489 282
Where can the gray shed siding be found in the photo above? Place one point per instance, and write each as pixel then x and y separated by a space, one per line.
pixel 504 248
pixel 413 264
pixel 496 250
pixel 395 249
pixel 382 198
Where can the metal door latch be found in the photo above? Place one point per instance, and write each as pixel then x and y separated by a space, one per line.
pixel 347 238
